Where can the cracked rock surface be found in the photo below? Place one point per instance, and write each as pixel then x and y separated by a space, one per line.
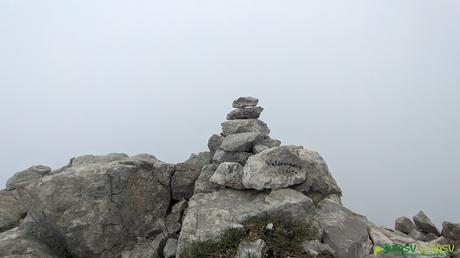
pixel 99 209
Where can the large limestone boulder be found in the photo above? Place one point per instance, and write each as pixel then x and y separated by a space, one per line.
pixel 100 209
pixel 210 214
pixel 377 237
pixel 451 230
pixel 27 176
pixel 424 223
pixel 186 173
pixel 397 237
pixel 97 159
pixel 319 182
pixel 17 243
pixel 165 170
pixel 11 210
pixel 344 231
pixel 23 185
pixel 404 224
pixel 417 235
pixel 274 168
pixel 244 126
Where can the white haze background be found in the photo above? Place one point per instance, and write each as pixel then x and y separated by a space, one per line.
pixel 373 86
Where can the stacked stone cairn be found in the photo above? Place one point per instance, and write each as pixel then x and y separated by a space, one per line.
pixel 252 174
pixel 138 206
pixel 242 135
pixel 245 157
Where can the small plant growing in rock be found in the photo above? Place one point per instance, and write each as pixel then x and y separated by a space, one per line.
pixel 283 240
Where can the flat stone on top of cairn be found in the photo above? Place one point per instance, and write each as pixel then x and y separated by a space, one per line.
pixel 243 102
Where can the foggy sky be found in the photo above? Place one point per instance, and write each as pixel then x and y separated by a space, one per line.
pixel 373 86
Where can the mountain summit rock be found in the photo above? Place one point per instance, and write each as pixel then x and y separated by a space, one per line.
pixel 248 196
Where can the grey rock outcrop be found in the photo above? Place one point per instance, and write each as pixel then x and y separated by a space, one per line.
pixel 186 173
pixel 228 174
pixel 119 206
pixel 451 230
pixel 430 237
pixel 319 183
pixel 253 249
pixel 97 159
pixel 101 207
pixel 17 243
pixel 424 232
pixel 442 240
pixel 404 224
pixel 11 210
pixel 27 176
pixel 423 223
pixel 398 237
pixel 378 238
pixel 345 232
pixel 417 235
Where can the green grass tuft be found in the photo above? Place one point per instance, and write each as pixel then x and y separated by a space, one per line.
pixel 284 240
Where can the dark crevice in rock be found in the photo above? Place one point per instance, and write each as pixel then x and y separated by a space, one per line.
pixel 370 239
pixel 151 235
pixel 48 235
pixel 171 204
pixel 169 188
pixel 162 246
